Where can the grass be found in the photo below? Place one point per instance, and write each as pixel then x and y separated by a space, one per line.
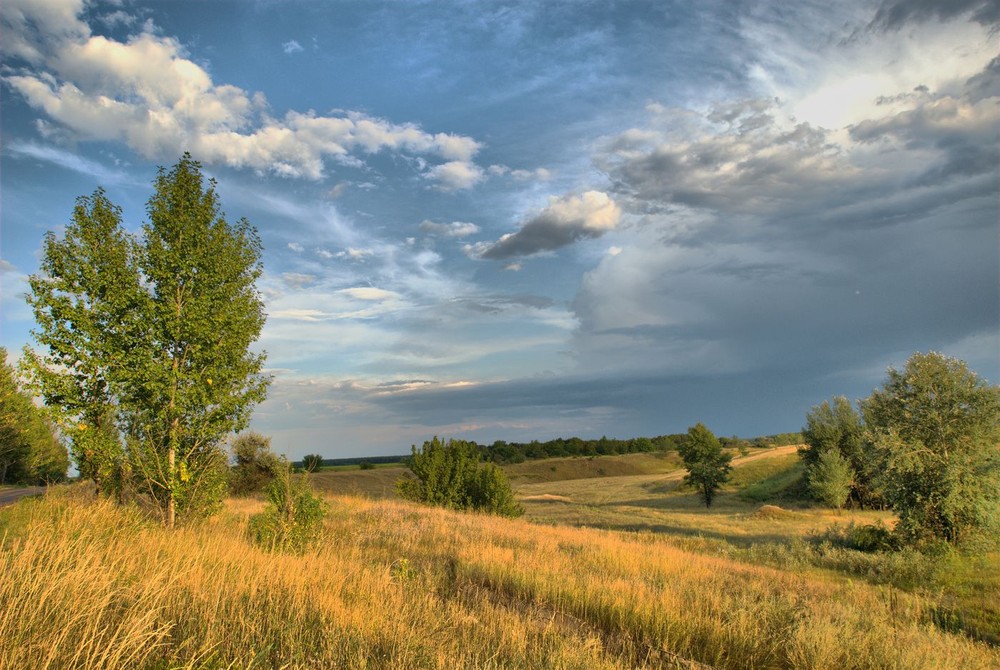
pixel 585 467
pixel 378 483
pixel 86 584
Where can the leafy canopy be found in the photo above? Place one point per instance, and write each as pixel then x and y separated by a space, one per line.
pixel 707 464
pixel 934 432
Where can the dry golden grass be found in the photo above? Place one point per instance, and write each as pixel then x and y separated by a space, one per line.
pixel 89 585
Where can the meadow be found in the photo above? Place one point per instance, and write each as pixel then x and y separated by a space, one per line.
pixel 606 570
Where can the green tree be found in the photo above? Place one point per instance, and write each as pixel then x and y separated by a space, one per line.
pixel 707 465
pixel 934 430
pixel 30 451
pixel 831 478
pixel 89 308
pixel 450 475
pixel 312 462
pixel 147 342
pixel 255 466
pixel 837 426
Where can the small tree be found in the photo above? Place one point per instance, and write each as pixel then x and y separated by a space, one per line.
pixel 831 478
pixel 934 430
pixel 293 518
pixel 312 462
pixel 707 465
pixel 837 426
pixel 255 465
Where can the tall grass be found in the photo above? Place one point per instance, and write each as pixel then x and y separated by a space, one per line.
pixel 91 585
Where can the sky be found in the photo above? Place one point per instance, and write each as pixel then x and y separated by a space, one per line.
pixel 526 220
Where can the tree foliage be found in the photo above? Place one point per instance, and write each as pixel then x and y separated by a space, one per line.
pixel 312 462
pixel 451 475
pixel 30 452
pixel 255 465
pixel 707 465
pixel 146 339
pixel 831 478
pixel 837 426
pixel 934 432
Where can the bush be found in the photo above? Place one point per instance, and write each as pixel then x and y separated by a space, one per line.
pixel 293 518
pixel 366 465
pixel 450 475
pixel 831 478
pixel 864 537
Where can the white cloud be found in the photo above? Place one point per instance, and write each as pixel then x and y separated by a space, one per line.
pixel 369 293
pixel 296 247
pixel 614 251
pixel 291 47
pixel 453 229
pixel 147 93
pixel 456 175
pixel 323 253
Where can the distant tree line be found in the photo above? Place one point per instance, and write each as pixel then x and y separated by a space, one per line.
pixel 30 451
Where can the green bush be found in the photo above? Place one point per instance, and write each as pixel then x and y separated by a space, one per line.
pixel 366 465
pixel 293 518
pixel 450 475
pixel 860 537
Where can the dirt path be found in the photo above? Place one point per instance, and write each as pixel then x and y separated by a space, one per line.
pixel 10 496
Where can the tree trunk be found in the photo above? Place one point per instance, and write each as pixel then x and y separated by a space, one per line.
pixel 170 485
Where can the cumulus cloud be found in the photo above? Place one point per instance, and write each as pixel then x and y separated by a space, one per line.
pixel 298 279
pixel 455 175
pixel 296 247
pixel 147 93
pixel 453 229
pixel 565 220
pixel 291 47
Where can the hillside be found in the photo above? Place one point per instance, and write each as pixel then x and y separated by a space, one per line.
pixel 399 586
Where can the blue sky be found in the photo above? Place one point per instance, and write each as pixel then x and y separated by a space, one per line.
pixel 527 220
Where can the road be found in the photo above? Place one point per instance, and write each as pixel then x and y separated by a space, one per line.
pixel 10 496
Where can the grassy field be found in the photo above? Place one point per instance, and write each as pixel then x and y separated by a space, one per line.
pixel 88 584
pixel 393 585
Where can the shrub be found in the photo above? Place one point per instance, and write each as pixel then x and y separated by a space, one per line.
pixel 450 475
pixel 366 465
pixel 293 518
pixel 863 537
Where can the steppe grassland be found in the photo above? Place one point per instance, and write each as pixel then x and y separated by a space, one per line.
pixel 88 584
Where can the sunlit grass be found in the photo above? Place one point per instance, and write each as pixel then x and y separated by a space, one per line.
pixel 86 584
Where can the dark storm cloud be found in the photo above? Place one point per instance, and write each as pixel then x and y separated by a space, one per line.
pixel 894 14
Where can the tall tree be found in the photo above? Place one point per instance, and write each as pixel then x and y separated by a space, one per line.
pixel 707 465
pixel 200 380
pixel 149 340
pixel 90 309
pixel 934 428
